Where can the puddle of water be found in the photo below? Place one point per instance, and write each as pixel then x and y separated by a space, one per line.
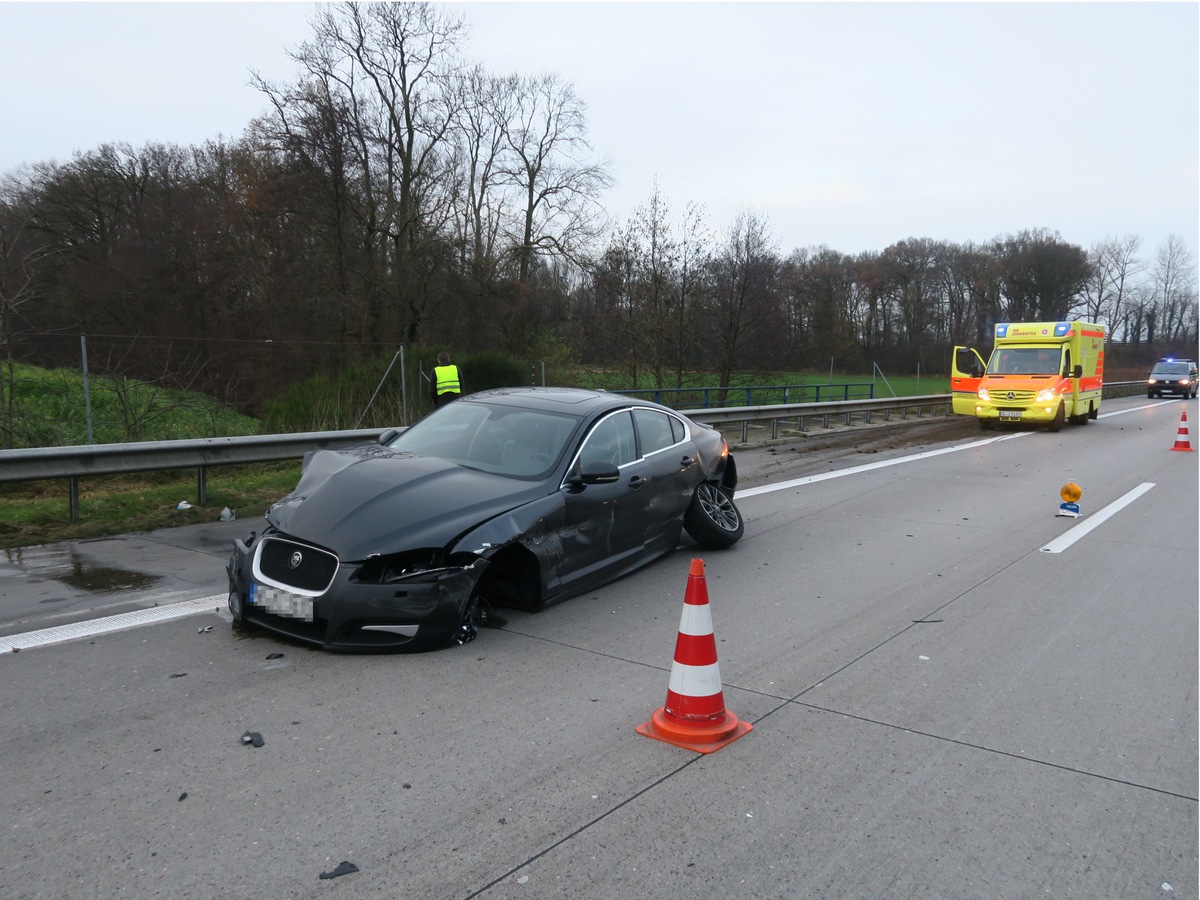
pixel 65 564
pixel 104 580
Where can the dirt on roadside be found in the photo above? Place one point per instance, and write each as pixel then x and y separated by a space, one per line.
pixel 825 449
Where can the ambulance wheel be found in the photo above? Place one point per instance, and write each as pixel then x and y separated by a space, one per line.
pixel 1056 423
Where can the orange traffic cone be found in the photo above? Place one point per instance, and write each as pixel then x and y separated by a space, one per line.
pixel 1181 439
pixel 695 716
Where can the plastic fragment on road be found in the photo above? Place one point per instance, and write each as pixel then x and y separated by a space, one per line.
pixel 344 868
pixel 227 515
pixel 252 737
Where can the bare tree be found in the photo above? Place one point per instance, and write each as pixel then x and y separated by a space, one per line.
pixel 1041 276
pixel 1115 266
pixel 557 185
pixel 1173 282
pixel 745 274
pixel 20 254
pixel 483 112
pixel 393 64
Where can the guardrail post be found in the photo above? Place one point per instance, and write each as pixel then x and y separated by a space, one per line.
pixel 73 497
pixel 201 485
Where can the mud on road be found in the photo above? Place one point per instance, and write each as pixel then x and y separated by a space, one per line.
pixel 824 449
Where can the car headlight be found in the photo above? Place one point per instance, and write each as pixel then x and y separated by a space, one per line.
pixel 1045 395
pixel 982 394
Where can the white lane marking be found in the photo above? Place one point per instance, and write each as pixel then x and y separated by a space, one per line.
pixel 1067 538
pixel 927 454
pixel 133 619
pixel 882 464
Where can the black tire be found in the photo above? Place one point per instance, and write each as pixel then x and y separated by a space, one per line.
pixel 1056 423
pixel 712 520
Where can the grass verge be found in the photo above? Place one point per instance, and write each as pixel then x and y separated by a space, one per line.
pixel 39 513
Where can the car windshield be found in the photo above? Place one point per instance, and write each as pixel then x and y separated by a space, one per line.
pixel 1171 369
pixel 1023 361
pixel 522 443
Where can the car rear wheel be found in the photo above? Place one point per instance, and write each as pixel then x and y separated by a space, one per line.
pixel 712 520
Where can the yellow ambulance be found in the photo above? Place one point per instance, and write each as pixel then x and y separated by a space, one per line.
pixel 1039 372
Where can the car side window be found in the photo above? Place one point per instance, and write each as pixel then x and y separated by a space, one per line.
pixel 612 440
pixel 678 429
pixel 654 429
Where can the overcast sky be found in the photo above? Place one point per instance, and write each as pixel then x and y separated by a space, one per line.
pixel 851 125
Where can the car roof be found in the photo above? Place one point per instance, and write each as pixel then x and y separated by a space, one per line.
pixel 571 401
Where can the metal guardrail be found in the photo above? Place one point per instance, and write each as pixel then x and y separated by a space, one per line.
pixel 773 393
pixel 779 413
pixel 73 463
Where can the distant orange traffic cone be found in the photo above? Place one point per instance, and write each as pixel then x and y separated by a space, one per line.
pixel 694 716
pixel 1181 439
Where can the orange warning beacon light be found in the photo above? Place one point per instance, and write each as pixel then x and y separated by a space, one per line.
pixel 1070 492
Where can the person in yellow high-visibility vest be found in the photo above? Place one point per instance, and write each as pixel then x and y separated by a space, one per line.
pixel 447 381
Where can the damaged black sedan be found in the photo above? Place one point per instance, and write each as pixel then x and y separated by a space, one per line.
pixel 509 498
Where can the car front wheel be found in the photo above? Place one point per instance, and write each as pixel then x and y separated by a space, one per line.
pixel 712 520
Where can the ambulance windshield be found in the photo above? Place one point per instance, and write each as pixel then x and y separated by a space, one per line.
pixel 1024 361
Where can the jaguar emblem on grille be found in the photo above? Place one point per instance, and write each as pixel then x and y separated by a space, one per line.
pixel 295 559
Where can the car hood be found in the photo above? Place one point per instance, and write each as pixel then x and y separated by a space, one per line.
pixel 374 500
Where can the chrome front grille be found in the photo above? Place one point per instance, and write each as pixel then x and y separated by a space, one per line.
pixel 1018 397
pixel 294 565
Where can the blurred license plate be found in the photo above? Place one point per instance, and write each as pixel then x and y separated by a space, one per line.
pixel 1010 414
pixel 282 603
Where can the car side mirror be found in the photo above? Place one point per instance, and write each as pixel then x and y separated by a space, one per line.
pixel 594 472
pixel 1077 372
pixel 388 436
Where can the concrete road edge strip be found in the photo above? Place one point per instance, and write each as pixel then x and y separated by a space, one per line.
pixel 134 619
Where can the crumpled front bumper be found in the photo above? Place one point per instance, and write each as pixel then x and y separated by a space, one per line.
pixel 422 612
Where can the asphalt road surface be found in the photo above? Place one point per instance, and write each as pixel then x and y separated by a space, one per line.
pixel 955 692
